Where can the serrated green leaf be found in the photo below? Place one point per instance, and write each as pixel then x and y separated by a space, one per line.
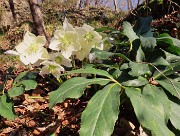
pixel 90 71
pixel 101 113
pixel 73 88
pixel 138 69
pixel 102 54
pixel 140 81
pixel 171 86
pixel 129 32
pixel 6 107
pixel 148 43
pixel 20 76
pixel 16 91
pixel 28 84
pixel 149 112
pixel 159 94
pixel 143 25
pixel 175 116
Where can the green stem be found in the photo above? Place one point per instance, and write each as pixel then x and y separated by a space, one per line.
pixel 113 80
pixel 130 49
pixel 36 97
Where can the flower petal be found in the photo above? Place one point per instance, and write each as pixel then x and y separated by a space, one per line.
pixel 21 47
pixel 24 60
pixel 67 26
pixel 87 27
pixel 11 52
pixel 54 44
pixel 83 53
pixel 40 41
pixel 29 38
pixel 44 54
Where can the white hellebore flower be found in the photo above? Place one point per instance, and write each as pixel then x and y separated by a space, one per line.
pixel 60 59
pixel 65 40
pixel 88 38
pixel 51 67
pixel 30 49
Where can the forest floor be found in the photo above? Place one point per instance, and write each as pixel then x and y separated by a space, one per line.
pixel 34 116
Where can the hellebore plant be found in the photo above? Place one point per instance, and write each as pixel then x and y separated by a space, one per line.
pixel 131 66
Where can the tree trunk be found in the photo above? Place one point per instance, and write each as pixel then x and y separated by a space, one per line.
pixel 115 6
pixel 37 18
pixel 11 3
pixel 129 4
pixel 86 3
pixel 79 4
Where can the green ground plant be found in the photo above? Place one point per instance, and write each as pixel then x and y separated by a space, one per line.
pixel 132 64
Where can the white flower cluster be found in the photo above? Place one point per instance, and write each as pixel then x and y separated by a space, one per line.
pixel 67 42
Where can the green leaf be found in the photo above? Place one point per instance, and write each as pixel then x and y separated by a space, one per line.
pixel 160 61
pixel 20 76
pixel 171 69
pixel 143 25
pixel 28 84
pixel 171 86
pixel 31 75
pixel 6 107
pixel 140 81
pixel 158 94
pixel 73 88
pixel 129 32
pixel 116 73
pixel 101 113
pixel 147 34
pixel 169 44
pixel 90 71
pixel 15 91
pixel 138 69
pixel 171 57
pixel 148 43
pixel 140 56
pixel 173 49
pixel 149 112
pixel 166 38
pixel 100 54
pixel 175 116
pixel 176 41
